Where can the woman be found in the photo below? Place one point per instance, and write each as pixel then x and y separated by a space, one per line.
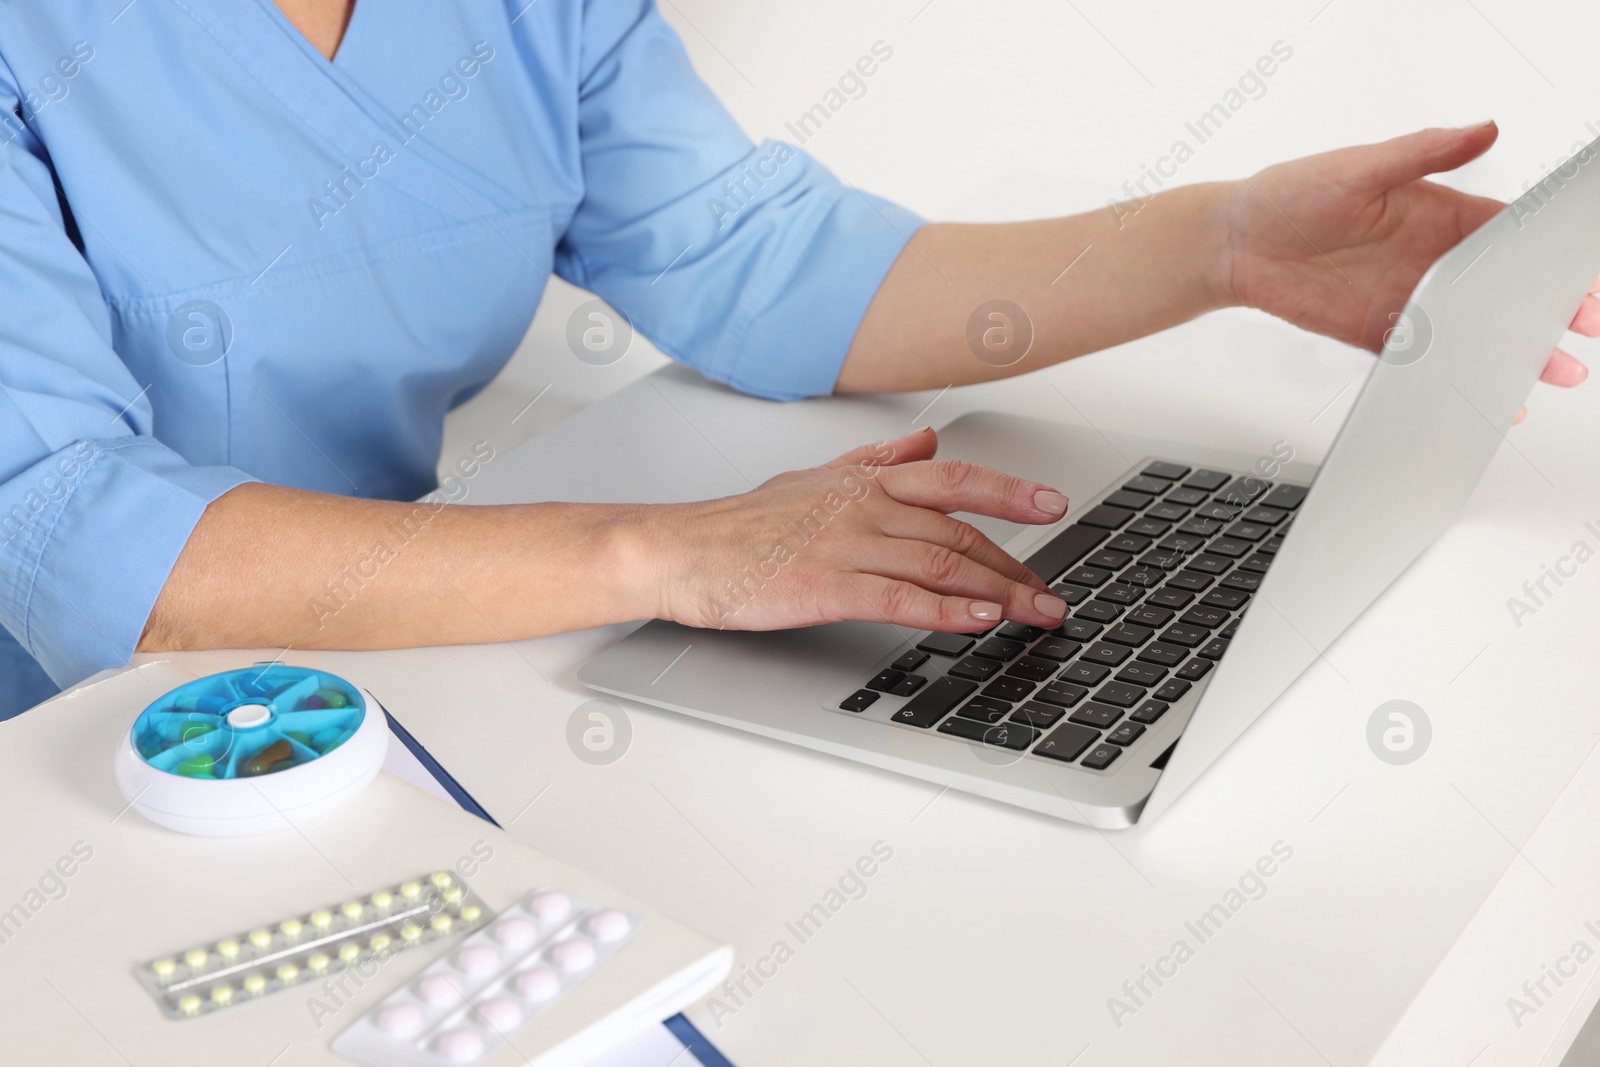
pixel 252 253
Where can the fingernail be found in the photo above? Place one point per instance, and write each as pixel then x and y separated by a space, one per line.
pixel 1478 125
pixel 1051 501
pixel 982 609
pixel 1052 606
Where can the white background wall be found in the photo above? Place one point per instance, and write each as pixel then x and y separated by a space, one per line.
pixel 1009 109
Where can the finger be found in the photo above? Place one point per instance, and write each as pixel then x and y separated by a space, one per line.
pixel 1564 370
pixel 956 485
pixel 918 444
pixel 875 598
pixel 945 571
pixel 1522 413
pixel 920 524
pixel 1417 155
pixel 1587 320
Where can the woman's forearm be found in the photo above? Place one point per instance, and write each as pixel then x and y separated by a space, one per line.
pixel 1084 283
pixel 269 566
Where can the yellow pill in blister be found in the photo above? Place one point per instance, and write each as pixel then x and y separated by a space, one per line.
pixel 411 890
pixel 288 974
pixel 163 969
pixel 254 984
pixel 441 879
pixel 380 942
pixel 318 963
pixel 383 901
pixel 471 913
pixel 291 928
pixel 322 919
pixel 228 949
pixel 196 958
pixel 189 1004
pixel 452 894
pixel 410 931
pixel 261 938
pixel 441 924
pixel 349 954
pixel 353 910
pixel 222 996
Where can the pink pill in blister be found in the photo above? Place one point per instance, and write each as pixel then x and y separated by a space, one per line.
pixel 502 1013
pixel 537 984
pixel 515 932
pixel 609 925
pixel 439 989
pixel 460 1045
pixel 573 955
pixel 550 905
pixel 478 960
pixel 400 1020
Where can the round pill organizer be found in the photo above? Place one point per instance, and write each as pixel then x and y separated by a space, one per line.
pixel 250 751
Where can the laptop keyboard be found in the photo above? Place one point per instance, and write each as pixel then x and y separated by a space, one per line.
pixel 1156 578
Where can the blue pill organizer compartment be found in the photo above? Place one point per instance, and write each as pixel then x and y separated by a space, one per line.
pixel 251 750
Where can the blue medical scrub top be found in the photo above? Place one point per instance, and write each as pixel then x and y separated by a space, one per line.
pixel 224 258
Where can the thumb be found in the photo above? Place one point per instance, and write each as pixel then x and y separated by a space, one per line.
pixel 918 444
pixel 1416 155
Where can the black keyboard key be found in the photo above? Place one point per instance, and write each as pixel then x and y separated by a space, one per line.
pixel 908 685
pixel 1169 597
pixel 1256 564
pixel 1230 599
pixel 1079 629
pixel 1006 735
pixel 935 701
pixel 999 648
pixel 1121 694
pixel 1167 512
pixel 1160 468
pixel 910 661
pixel 1081 673
pixel 1097 715
pixel 1032 669
pixel 1215 649
pixel 1142 483
pixel 1219 511
pixel 984 709
pixel 1125 735
pixel 1066 742
pixel 1210 481
pixel 1149 527
pixel 860 700
pixel 1072 594
pixel 1165 655
pixel 1194 670
pixel 1063 550
pixel 1101 756
pixel 1182 543
pixel 1106 558
pixel 1143 577
pixel 1105 517
pixel 1206 563
pixel 1125 498
pixel 1210 618
pixel 1041 716
pixel 1242 582
pixel 1164 559
pixel 1149 711
pixel 1064 693
pixel 1145 674
pixel 1097 611
pixel 945 644
pixel 1288 497
pixel 1016 631
pixel 1056 648
pixel 1129 543
pixel 1101 652
pixel 886 680
pixel 1247 531
pixel 1012 689
pixel 1187 497
pixel 1172 690
pixel 979 670
pixel 1129 635
pixel 1090 576
pixel 1225 546
pixel 1271 547
pixel 1148 615
pixel 1187 636
pixel 1265 516
pixel 1198 527
pixel 1117 593
pixel 1229 630
pixel 1244 488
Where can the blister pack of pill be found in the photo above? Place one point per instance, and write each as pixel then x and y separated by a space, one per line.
pixel 353 934
pixel 465 1005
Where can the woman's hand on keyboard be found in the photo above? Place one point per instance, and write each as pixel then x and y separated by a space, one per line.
pixel 867 536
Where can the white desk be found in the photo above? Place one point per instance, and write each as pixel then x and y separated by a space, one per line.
pixel 1405 915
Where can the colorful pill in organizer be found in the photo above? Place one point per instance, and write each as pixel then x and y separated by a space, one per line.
pixel 353 933
pixel 464 1005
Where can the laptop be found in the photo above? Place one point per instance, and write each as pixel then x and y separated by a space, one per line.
pixel 1200 584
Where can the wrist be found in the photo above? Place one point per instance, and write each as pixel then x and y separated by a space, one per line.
pixel 634 559
pixel 1217 242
